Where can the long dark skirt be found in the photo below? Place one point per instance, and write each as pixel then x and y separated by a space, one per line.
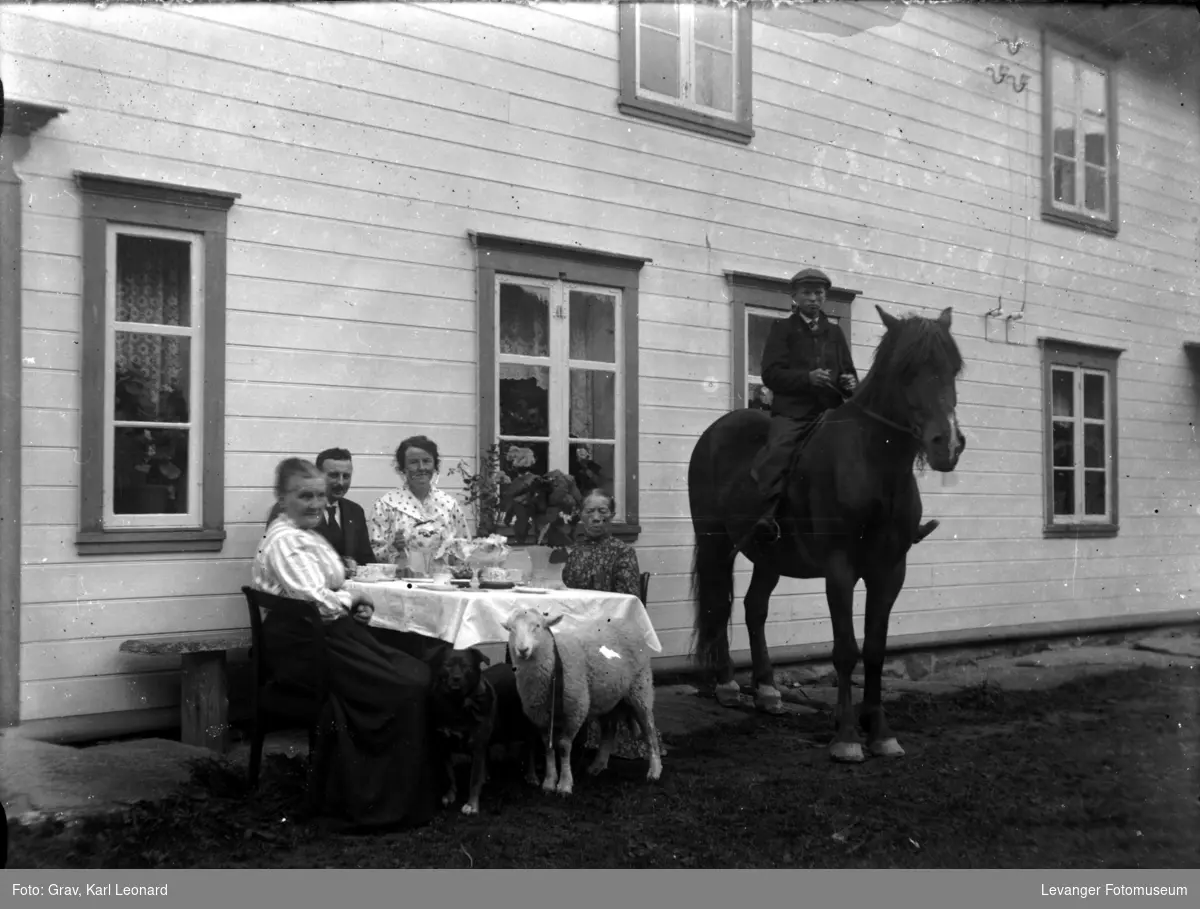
pixel 372 764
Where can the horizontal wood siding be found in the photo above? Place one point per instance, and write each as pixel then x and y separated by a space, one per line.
pixel 366 140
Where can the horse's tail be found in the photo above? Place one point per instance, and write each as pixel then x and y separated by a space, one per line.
pixel 712 592
pixel 712 559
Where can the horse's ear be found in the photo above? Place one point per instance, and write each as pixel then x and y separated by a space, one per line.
pixel 944 318
pixel 889 322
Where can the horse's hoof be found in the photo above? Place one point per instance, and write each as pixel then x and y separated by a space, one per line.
pixel 846 752
pixel 769 700
pixel 448 799
pixel 597 768
pixel 549 787
pixel 532 780
pixel 563 790
pixel 468 808
pixel 886 748
pixel 729 694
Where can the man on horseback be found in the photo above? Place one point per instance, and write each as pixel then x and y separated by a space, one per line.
pixel 809 370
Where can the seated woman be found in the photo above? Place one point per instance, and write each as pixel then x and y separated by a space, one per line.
pixel 599 561
pixel 416 501
pixel 376 749
pixel 396 514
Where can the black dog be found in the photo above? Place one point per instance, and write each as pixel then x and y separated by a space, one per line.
pixel 473 710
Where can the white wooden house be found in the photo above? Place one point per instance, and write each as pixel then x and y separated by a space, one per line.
pixel 283 228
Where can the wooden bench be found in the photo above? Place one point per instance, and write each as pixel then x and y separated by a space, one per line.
pixel 203 684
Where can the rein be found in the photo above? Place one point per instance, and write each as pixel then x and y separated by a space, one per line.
pixel 907 430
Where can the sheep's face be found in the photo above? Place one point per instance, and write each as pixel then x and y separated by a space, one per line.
pixel 527 630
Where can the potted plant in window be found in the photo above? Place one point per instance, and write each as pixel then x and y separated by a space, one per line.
pixel 152 453
pixel 546 505
pixel 484 491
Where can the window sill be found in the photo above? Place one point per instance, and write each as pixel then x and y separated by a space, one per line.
pixel 626 532
pixel 1068 219
pixel 1080 530
pixel 143 540
pixel 683 118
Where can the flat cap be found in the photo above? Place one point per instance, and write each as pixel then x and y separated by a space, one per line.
pixel 811 276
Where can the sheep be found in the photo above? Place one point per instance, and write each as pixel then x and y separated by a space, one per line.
pixel 601 670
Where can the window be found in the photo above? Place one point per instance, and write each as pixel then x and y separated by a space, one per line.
pixel 152 439
pixel 757 302
pixel 1081 438
pixel 1080 145
pixel 558 364
pixel 688 65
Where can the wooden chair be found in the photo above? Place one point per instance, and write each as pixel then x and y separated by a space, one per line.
pixel 275 704
pixel 645 586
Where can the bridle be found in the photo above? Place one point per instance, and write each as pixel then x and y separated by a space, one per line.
pixel 907 430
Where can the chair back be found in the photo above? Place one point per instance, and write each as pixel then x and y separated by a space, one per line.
pixel 297 610
pixel 645 586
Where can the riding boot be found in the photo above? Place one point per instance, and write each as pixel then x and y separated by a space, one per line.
pixel 925 530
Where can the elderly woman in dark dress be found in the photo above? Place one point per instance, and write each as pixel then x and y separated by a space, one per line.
pixel 599 561
pixel 376 749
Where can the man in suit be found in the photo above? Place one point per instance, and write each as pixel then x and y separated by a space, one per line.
pixel 807 365
pixel 344 524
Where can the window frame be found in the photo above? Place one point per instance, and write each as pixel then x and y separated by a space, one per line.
pixel 559 355
pixel 498 256
pixel 749 293
pixel 1078 358
pixel 196 390
pixel 141 205
pixel 1052 211
pixel 681 113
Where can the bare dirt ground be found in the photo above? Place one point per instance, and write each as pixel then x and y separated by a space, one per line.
pixel 1100 772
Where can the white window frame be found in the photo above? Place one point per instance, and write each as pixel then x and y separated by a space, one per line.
pixel 561 363
pixel 1082 116
pixel 749 378
pixel 193 517
pixel 1079 421
pixel 687 64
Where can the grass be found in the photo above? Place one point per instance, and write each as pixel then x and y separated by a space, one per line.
pixel 1099 772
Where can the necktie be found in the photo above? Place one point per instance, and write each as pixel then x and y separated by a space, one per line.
pixel 331 517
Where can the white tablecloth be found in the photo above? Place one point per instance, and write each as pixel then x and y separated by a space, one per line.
pixel 469 617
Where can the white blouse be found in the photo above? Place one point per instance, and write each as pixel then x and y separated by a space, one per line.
pixel 400 510
pixel 301 565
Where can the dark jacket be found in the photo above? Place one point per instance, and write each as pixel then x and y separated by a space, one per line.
pixel 356 541
pixel 791 352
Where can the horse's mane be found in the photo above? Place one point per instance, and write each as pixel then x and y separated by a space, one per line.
pixel 915 345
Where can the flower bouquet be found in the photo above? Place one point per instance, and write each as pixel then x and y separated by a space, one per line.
pixel 425 548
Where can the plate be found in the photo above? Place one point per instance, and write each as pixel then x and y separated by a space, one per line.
pixel 430 585
pixel 496 585
pixel 460 582
pixel 530 590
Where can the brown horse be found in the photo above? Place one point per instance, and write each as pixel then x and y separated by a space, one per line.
pixel 852 511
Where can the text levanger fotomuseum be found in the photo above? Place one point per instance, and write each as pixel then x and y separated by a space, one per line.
pixel 87 890
pixel 1114 890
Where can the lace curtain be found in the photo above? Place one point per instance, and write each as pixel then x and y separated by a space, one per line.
pixel 153 285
